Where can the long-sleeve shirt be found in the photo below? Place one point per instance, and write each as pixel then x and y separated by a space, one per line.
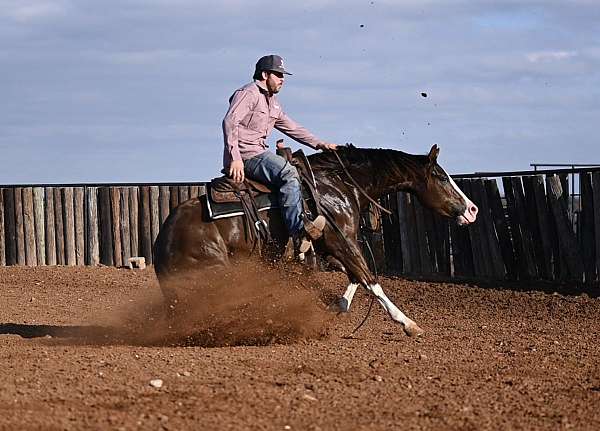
pixel 251 117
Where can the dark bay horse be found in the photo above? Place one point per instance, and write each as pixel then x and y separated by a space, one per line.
pixel 189 240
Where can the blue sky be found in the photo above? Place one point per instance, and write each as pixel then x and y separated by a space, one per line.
pixel 132 90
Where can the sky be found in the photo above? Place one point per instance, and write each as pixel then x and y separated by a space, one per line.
pixel 135 90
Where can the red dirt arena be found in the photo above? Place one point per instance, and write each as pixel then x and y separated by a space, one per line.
pixel 88 348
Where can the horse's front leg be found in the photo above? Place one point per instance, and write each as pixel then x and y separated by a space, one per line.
pixel 358 272
pixel 410 327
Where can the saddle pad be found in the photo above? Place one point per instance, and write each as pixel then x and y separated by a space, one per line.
pixel 217 210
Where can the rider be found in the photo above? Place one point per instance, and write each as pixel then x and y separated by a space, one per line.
pixel 253 112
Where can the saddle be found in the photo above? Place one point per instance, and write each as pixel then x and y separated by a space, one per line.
pixel 224 189
pixel 224 195
pixel 226 198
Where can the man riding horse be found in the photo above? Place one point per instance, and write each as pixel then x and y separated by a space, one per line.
pixel 254 111
pixel 348 179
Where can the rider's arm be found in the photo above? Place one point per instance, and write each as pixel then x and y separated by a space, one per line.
pixel 295 131
pixel 240 105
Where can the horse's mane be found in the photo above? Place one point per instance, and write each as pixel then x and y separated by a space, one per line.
pixel 363 157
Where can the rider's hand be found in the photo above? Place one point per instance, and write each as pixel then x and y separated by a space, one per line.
pixel 236 171
pixel 326 146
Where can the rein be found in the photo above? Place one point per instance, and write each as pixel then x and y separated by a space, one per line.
pixel 360 325
pixel 360 189
pixel 364 240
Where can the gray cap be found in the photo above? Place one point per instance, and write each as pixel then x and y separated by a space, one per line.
pixel 273 63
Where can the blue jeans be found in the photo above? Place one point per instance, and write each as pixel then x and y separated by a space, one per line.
pixel 275 171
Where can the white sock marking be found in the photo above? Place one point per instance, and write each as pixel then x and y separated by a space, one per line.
pixel 349 294
pixel 389 306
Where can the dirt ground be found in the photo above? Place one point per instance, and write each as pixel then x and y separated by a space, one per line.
pixel 81 347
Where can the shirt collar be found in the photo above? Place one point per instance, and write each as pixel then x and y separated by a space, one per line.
pixel 262 86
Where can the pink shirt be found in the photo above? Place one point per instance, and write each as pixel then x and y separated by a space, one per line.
pixel 250 120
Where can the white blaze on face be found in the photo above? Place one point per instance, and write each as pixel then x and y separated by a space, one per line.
pixel 470 214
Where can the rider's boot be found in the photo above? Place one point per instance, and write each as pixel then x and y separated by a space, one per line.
pixel 312 230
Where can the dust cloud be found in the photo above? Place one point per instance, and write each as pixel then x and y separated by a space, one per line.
pixel 250 303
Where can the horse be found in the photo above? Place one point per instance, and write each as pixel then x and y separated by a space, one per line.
pixel 347 180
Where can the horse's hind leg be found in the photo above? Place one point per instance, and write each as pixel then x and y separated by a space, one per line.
pixel 343 303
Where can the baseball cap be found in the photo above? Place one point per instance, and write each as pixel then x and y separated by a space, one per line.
pixel 272 63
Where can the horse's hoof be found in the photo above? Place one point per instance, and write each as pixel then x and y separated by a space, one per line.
pixel 340 305
pixel 413 330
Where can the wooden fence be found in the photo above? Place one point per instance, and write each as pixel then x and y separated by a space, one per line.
pixel 526 234
pixel 84 225
pixel 532 233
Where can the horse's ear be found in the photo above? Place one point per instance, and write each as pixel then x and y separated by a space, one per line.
pixel 433 154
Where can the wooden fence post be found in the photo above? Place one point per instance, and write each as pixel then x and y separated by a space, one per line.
pixel 537 212
pixel 421 231
pixel 115 205
pixel 194 191
pixel 59 226
pixel 184 194
pixel 391 233
pixel 566 237
pixel 2 241
pixel 105 224
pixel 432 239
pixel 586 226
pixel 413 234
pixel 403 228
pixel 50 227
pixel 125 229
pixel 79 226
pixel 596 193
pixel 460 241
pixel 163 193
pixel 69 226
pixel 479 248
pixel 20 228
pixel 10 228
pixel 40 227
pixel 154 212
pixel 527 238
pixel 501 226
pixel 92 231
pixel 173 197
pixel 442 234
pixel 145 224
pixel 29 227
pixel 495 264
pixel 518 221
pixel 564 184
pixel 134 220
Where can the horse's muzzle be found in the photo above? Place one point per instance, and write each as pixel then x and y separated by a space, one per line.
pixel 469 215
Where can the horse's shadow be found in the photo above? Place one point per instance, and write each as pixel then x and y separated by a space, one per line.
pixel 81 333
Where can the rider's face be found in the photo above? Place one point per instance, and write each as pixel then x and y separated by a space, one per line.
pixel 274 81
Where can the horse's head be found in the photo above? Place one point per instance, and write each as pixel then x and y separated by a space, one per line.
pixel 440 193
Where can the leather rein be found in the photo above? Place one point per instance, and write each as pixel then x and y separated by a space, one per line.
pixel 360 189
